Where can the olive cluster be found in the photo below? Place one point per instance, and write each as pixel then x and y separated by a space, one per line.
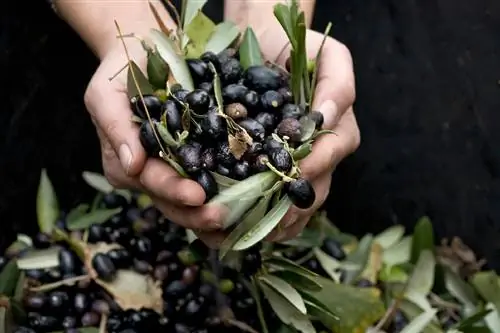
pixel 258 100
pixel 193 294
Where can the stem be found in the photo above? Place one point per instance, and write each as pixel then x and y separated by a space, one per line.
pixel 260 311
pixel 279 173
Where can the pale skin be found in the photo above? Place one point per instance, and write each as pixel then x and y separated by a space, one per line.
pixel 180 199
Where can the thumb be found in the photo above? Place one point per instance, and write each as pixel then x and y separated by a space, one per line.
pixel 110 110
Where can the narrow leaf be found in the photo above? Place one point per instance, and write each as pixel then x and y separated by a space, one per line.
pixel 330 265
pixel 317 63
pixel 473 319
pixel 77 212
pixel 165 135
pixel 486 283
pixel 390 236
pixel 358 258
pixel 460 289
pixel 418 324
pixel 423 238
pixel 47 207
pixel 97 181
pixel 308 127
pixel 224 35
pixel 298 281
pixel 142 82
pixel 319 312
pixel 302 151
pixel 158 19
pixel 39 259
pixel 398 253
pixel 263 227
pixel 288 265
pixel 282 14
pixel 157 70
pixel 178 67
pixel 223 181
pixel 421 280
pixel 95 217
pixel 199 31
pixel 250 53
pixel 412 311
pixel 493 318
pixel 286 290
pixel 8 278
pixel 191 8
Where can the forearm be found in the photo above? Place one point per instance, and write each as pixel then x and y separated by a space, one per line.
pixel 259 13
pixel 94 20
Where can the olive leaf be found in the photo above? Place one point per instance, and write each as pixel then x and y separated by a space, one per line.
pixel 308 127
pixel 286 312
pixel 423 238
pixel 77 212
pixel 217 88
pixel 97 216
pixel 280 263
pixel 283 15
pixel 374 266
pixel 143 86
pixel 178 67
pixel 319 311
pixel 473 319
pixel 390 236
pixel 393 274
pixel 158 19
pixel 302 151
pixel 198 31
pixel 222 181
pixel 314 78
pixel 493 318
pixel 298 281
pixel 173 163
pixel 255 214
pixel 165 135
pixel 97 181
pixel 486 284
pixel 17 310
pixel 461 290
pixel 40 259
pixel 157 69
pixel 189 10
pixel 224 35
pixel 329 264
pixel 9 277
pixel 357 259
pixel 249 51
pixel 20 287
pixel 411 311
pixel 286 290
pixel 47 206
pixel 398 253
pixel 419 323
pixel 421 280
pixel 263 227
pixel 308 238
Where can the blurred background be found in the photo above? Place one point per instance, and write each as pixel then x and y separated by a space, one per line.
pixel 428 105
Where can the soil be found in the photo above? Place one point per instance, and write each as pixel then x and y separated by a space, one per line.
pixel 427 104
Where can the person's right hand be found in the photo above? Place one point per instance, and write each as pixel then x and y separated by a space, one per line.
pixel 124 160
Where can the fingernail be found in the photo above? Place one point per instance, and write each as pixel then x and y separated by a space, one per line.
pixel 330 113
pixel 125 155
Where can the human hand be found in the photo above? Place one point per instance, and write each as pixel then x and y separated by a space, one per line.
pixel 124 160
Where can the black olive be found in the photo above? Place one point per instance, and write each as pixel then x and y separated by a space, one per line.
pixel 271 100
pixel 253 128
pixel 80 302
pixel 230 71
pixel 301 193
pixel 291 128
pixel 286 93
pixel 241 170
pixel 318 118
pixel 153 105
pixel 181 328
pixel 222 170
pixel 160 272
pixel 35 274
pixel 104 267
pixel 120 257
pixel 262 79
pixel 292 111
pixel 254 150
pixel 100 306
pixel 211 57
pixel 281 159
pixel 67 262
pixel 260 163
pixel 227 54
pixel 141 266
pixel 193 310
pixel 175 290
pixel 58 300
pixel 270 143
pixel 189 157
pixel 40 241
pixel 179 96
pixel 208 183
pixel 35 302
pixel 47 323
pixel 236 111
pixel 90 319
pixel 251 263
pixel 143 247
pixel 22 329
pixel 233 93
pixel 69 322
pixel 198 101
pixel 364 283
pixel 266 119
pixel 114 323
pixel 96 234
pixel 174 88
pixel 333 249
pixel 199 70
pixel 214 126
pixel 208 159
pixel 173 116
pixel 224 155
pixel 251 100
pixel 148 139
pixel 207 86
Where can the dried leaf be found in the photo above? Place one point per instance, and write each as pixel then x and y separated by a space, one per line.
pixel 97 216
pixel 47 207
pixel 263 227
pixel 141 83
pixel 224 35
pixel 158 19
pixel 418 324
pixel 77 212
pixel 249 51
pixel 239 143
pixel 178 67
pixel 423 238
pixel 97 181
pixel 286 290
pixel 374 265
pixel 8 278
pixel 199 31
pixel 390 236
pixel 40 259
pixel 58 284
pixel 157 70
pixel 308 127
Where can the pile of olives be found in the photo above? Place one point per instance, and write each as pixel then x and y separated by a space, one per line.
pixel 258 100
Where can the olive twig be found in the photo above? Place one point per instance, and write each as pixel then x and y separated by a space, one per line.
pixel 112 77
pixel 279 173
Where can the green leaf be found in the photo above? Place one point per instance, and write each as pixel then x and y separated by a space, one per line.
pixel 302 151
pixel 18 314
pixel 308 238
pixel 255 214
pixel 356 308
pixel 263 227
pixel 421 280
pixel 224 35
pixel 282 14
pixel 486 283
pixel 47 207
pixel 320 313
pixel 286 312
pixel 250 53
pixel 281 263
pixel 199 31
pixel 418 324
pixel 190 9
pixel 473 319
pixel 97 216
pixel 423 238
pixel 493 318
pixel 167 50
pixel 77 212
pixel 8 278
pixel 141 83
pixel 412 311
pixel 390 236
pixel 157 70
pixel 393 274
pixel 358 259
pixel 398 253
pixel 329 264
pixel 298 281
pixel 222 181
pixel 39 259
pixel 461 290
pixel 286 290
pixel 19 290
pixel 308 127
pixel 217 88
pixel 314 78
pixel 165 135
pixel 97 181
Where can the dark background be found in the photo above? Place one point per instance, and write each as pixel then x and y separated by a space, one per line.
pixel 428 103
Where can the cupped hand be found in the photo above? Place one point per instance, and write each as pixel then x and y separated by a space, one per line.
pixel 123 158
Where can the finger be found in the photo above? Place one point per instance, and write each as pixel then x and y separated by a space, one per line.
pixel 165 183
pixel 329 149
pixel 205 218
pixel 111 112
pixel 213 239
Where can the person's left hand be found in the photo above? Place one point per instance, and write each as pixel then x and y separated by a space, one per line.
pixel 334 97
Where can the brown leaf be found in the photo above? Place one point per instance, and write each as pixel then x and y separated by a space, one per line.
pixel 239 143
pixel 458 257
pixel 158 19
pixel 374 263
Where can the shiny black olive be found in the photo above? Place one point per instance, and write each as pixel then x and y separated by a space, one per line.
pixel 153 105
pixel 300 192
